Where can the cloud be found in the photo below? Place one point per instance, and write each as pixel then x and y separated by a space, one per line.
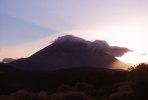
pixel 69 38
pixel 115 51
pixel 101 45
pixel 143 54
pixel 118 51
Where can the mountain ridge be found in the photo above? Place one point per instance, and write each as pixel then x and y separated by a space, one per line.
pixel 67 51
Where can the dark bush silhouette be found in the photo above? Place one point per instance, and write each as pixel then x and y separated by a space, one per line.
pixel 139 77
pixel 25 95
pixel 66 88
pixel 139 74
pixel 123 91
pixel 84 86
pixel 97 93
pixel 122 95
pixel 71 96
pixel 81 83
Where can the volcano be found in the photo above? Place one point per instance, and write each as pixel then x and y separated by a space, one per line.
pixel 68 52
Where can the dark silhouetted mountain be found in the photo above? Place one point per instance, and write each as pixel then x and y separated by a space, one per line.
pixel 5 68
pixel 7 60
pixel 68 52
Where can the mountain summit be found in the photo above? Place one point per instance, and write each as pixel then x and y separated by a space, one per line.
pixel 70 51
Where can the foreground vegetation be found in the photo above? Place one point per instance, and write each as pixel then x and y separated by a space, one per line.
pixel 81 83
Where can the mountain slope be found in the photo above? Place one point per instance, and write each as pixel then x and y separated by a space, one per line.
pixel 67 52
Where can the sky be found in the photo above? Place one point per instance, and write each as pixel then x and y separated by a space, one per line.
pixel 27 26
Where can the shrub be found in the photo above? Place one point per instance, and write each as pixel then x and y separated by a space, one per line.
pixel 122 95
pixel 71 96
pixel 81 86
pixel 66 88
pixel 25 95
pixel 39 96
pixel 98 93
pixel 139 76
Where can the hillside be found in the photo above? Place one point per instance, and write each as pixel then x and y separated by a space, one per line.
pixel 69 51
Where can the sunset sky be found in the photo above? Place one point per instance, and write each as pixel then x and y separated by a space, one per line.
pixel 27 26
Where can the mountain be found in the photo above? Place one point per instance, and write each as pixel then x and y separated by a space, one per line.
pixel 7 60
pixel 68 52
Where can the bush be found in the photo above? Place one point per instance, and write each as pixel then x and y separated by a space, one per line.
pixel 122 95
pixel 139 77
pixel 123 91
pixel 39 96
pixel 71 96
pixel 98 93
pixel 66 88
pixel 25 95
pixel 84 86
